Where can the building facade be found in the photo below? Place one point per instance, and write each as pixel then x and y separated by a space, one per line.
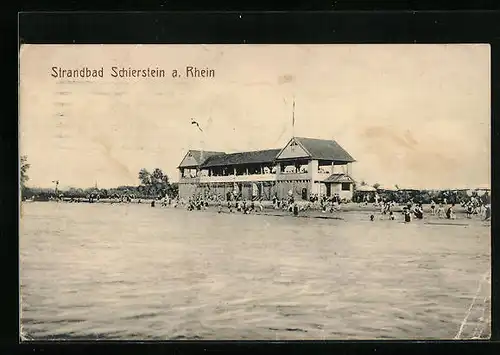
pixel 303 168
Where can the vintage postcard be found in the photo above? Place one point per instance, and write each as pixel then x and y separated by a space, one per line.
pixel 255 192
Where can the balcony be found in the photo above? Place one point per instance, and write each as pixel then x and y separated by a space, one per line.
pixel 238 178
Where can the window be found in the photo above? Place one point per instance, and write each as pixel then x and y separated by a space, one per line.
pixel 346 186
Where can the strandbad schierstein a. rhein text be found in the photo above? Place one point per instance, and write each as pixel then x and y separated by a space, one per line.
pixel 121 72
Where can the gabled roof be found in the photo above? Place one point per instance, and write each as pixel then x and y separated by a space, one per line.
pixel 322 149
pixel 254 157
pixel 319 149
pixel 339 178
pixel 196 154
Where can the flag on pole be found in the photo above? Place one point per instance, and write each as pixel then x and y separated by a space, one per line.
pixel 196 123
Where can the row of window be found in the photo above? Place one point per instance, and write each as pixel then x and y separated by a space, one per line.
pixel 191 173
pixel 345 186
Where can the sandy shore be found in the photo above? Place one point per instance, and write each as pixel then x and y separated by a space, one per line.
pixel 314 209
pixel 345 209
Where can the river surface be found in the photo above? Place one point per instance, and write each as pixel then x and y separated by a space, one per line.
pixel 132 272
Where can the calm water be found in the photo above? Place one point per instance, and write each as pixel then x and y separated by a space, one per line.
pixel 136 272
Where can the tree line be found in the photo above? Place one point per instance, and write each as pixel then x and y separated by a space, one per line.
pixel 153 184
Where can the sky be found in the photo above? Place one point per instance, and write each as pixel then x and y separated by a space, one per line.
pixel 413 115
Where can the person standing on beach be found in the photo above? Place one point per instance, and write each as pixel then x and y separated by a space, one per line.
pixel 450 214
pixel 246 207
pixel 440 211
pixel 384 207
pixel 259 204
pixel 469 209
pixel 407 214
pixel 487 212
pixel 419 212
pixel 433 207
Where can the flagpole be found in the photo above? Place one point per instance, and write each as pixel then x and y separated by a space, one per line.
pixel 202 140
pixel 293 136
pixel 202 148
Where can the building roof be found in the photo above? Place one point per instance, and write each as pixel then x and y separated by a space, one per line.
pixel 196 154
pixel 254 157
pixel 338 178
pixel 319 149
pixel 322 149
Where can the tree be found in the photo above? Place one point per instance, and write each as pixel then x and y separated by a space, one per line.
pixel 103 193
pixel 363 183
pixel 174 189
pixel 24 170
pixel 23 178
pixel 376 185
pixel 155 183
pixel 159 182
pixel 144 177
pixel 157 176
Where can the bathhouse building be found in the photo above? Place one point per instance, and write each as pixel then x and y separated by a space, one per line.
pixel 303 168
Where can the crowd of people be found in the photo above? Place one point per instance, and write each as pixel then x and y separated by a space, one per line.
pixel 237 204
pixel 474 206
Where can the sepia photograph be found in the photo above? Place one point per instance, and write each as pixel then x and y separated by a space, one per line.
pixel 255 192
